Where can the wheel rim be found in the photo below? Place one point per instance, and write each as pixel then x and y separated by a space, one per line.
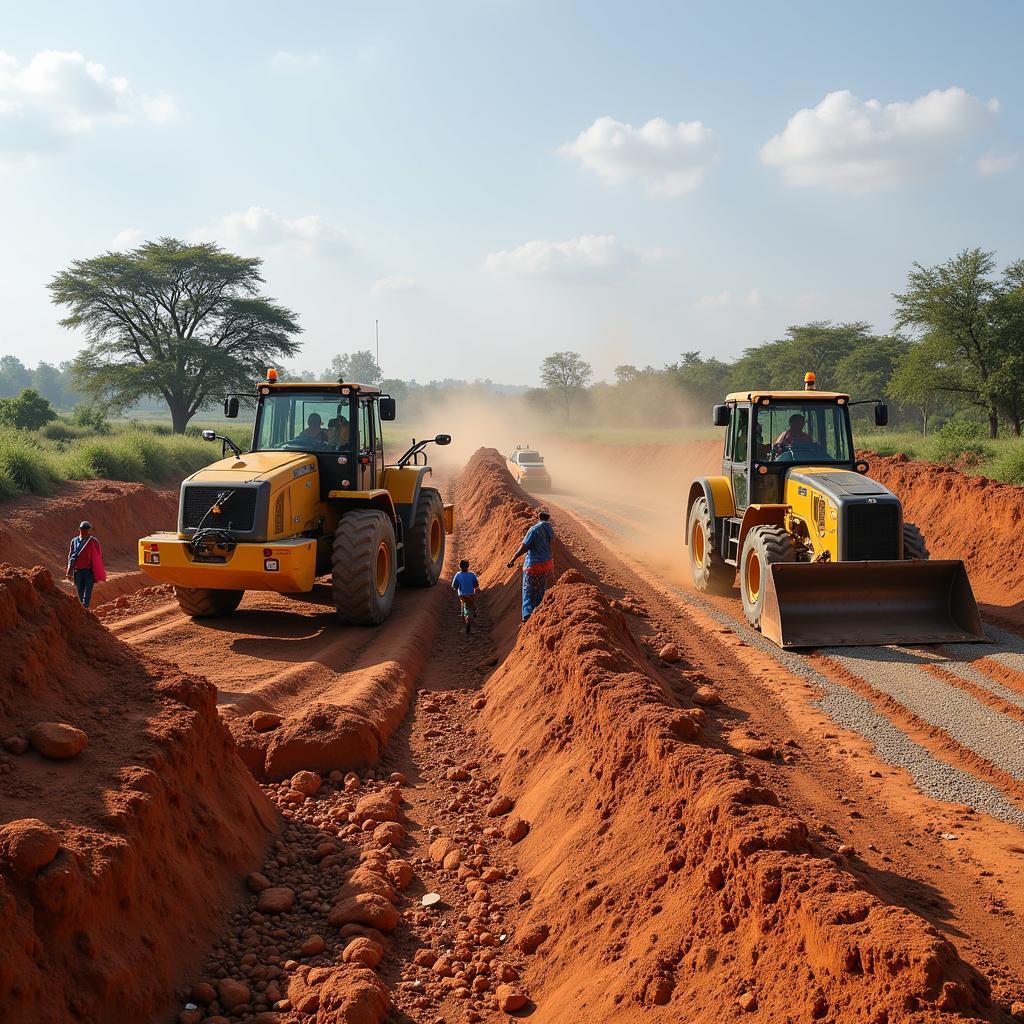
pixel 382 568
pixel 697 545
pixel 752 577
pixel 435 539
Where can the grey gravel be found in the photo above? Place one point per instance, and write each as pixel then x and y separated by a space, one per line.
pixel 979 727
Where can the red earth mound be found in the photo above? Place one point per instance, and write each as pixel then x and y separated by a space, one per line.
pixel 661 870
pixel 967 517
pixel 37 530
pixel 114 861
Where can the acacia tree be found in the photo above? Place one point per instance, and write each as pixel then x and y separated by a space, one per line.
pixel 185 322
pixel 566 375
pixel 953 302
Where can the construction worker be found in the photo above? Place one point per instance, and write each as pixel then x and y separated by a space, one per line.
pixel 794 435
pixel 539 567
pixel 85 562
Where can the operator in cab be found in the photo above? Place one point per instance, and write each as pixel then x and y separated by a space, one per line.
pixel 795 435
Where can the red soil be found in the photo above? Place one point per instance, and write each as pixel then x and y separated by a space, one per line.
pixel 967 517
pixel 152 822
pixel 37 531
pixel 662 868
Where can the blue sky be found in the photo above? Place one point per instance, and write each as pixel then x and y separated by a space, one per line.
pixel 497 180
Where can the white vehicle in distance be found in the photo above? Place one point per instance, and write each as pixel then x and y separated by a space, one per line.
pixel 527 467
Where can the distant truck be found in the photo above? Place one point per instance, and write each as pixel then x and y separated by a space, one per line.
pixel 527 468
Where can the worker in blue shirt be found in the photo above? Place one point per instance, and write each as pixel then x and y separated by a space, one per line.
pixel 539 567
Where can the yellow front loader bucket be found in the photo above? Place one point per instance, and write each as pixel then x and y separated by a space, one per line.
pixel 850 604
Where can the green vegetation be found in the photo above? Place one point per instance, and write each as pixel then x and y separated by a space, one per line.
pixel 172 320
pixel 36 462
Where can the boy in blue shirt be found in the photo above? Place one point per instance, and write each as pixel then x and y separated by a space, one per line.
pixel 467 586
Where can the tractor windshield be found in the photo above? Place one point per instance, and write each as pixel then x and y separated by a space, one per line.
pixel 802 432
pixel 304 421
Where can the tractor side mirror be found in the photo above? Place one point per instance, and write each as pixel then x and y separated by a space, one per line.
pixel 881 415
pixel 443 439
pixel 230 408
pixel 720 417
pixel 387 408
pixel 210 435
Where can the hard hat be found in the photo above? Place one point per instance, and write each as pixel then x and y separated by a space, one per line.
pixel 85 525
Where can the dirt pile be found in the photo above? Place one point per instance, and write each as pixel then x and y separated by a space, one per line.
pixel 660 869
pixel 123 824
pixel 37 531
pixel 496 513
pixel 967 517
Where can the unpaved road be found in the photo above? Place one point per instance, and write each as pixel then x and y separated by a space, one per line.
pixel 905 763
pixel 910 757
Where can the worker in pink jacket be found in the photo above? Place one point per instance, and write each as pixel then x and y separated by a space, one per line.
pixel 85 562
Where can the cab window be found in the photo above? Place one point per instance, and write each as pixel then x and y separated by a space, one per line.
pixel 804 431
pixel 304 421
pixel 739 430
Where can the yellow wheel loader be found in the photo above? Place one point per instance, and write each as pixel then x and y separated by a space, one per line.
pixel 820 552
pixel 313 497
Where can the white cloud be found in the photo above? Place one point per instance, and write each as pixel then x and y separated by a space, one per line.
pixel 59 95
pixel 393 286
pixel 128 238
pixel 851 145
pixel 728 301
pixel 259 229
pixel 285 60
pixel 585 258
pixel 993 162
pixel 669 159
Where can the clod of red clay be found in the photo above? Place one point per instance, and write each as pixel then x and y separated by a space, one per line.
pixel 275 900
pixel 306 782
pixel 57 739
pixel 365 908
pixel 347 995
pixel 27 845
pixel 669 653
pixel 501 804
pixel 664 858
pixel 144 858
pixel 264 721
pixel 706 695
pixel 363 951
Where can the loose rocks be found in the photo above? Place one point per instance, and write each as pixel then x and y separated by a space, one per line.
pixel 57 739
pixel 276 900
pixel 28 844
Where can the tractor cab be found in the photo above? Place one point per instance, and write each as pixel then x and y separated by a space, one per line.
pixel 772 432
pixel 339 424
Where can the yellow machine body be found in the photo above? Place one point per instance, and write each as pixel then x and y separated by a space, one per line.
pixel 820 551
pixel 269 517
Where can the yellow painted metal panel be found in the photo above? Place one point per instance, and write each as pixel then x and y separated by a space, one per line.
pixel 244 568
pixel 449 518
pixel 402 482
pixel 721 495
pixel 811 396
pixel 816 513
pixel 254 466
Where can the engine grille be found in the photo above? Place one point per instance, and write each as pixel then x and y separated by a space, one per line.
pixel 872 532
pixel 237 513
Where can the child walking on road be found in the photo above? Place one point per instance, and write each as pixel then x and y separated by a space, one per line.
pixel 467 586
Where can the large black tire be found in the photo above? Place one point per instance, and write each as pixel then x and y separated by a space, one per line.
pixel 202 603
pixel 364 567
pixel 914 546
pixel 709 571
pixel 424 542
pixel 762 547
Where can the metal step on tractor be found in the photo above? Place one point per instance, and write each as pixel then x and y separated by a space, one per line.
pixel 821 553
pixel 313 497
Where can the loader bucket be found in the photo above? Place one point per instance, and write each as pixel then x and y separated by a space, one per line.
pixel 849 604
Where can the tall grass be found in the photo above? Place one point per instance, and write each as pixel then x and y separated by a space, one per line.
pixel 36 464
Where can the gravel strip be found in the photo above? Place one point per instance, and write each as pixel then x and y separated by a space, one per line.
pixel 899 673
pixel 936 779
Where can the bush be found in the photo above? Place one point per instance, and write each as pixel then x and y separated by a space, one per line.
pixel 960 443
pixel 29 411
pixel 61 430
pixel 1009 466
pixel 25 465
pixel 92 417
